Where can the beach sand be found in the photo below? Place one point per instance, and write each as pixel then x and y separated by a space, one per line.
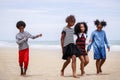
pixel 45 64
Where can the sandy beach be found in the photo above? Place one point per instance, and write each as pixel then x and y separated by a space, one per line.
pixel 46 64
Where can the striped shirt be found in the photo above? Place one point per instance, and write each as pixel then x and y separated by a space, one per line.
pixel 22 39
pixel 69 32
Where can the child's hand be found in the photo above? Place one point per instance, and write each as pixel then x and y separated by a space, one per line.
pixel 26 38
pixel 87 52
pixel 108 49
pixel 39 35
pixel 90 40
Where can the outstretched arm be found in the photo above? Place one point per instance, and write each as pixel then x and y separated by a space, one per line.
pixel 34 37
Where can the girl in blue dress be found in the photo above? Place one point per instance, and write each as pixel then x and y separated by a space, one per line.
pixel 98 39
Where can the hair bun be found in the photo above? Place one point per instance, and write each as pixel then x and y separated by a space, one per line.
pixel 103 23
pixel 97 22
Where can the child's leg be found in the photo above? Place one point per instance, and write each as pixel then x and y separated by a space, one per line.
pixel 25 69
pixel 21 59
pixel 26 60
pixel 21 70
pixel 82 65
pixel 64 66
pixel 101 63
pixel 86 60
pixel 74 66
pixel 98 66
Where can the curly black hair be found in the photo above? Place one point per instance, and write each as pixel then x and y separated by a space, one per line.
pixel 77 28
pixel 20 23
pixel 97 22
pixel 70 18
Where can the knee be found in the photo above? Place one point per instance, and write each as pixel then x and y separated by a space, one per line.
pixel 82 61
pixel 73 59
pixel 68 61
pixel 87 61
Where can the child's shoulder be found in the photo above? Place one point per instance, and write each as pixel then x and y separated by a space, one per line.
pixel 18 34
pixel 64 29
pixel 95 31
pixel 103 31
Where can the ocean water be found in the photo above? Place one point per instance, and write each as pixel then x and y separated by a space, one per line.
pixel 114 44
pixel 33 44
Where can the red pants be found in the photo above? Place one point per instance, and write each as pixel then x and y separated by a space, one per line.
pixel 24 57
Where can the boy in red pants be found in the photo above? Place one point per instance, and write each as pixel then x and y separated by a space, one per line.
pixel 22 41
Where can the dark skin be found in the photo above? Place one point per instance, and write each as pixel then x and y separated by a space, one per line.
pixel 84 59
pixel 21 29
pixel 69 25
pixel 23 70
pixel 99 62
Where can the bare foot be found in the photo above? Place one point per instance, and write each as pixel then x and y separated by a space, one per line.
pixel 75 76
pixel 100 70
pixel 24 74
pixel 62 73
pixel 83 73
pixel 25 69
pixel 98 73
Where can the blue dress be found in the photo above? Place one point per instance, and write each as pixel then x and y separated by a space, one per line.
pixel 99 40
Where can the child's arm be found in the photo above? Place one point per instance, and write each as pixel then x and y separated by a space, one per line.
pixel 33 37
pixel 90 45
pixel 87 41
pixel 21 41
pixel 62 40
pixel 90 42
pixel 106 42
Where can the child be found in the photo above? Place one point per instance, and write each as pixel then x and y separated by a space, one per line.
pixel 81 33
pixel 98 39
pixel 22 40
pixel 68 48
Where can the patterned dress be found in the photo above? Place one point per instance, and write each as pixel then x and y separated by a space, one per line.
pixel 81 43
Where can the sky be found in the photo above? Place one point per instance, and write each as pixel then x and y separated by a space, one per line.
pixel 48 16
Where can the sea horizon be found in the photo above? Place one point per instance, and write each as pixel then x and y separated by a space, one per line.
pixel 53 44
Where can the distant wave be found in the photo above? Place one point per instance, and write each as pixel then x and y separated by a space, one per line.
pixel 49 45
